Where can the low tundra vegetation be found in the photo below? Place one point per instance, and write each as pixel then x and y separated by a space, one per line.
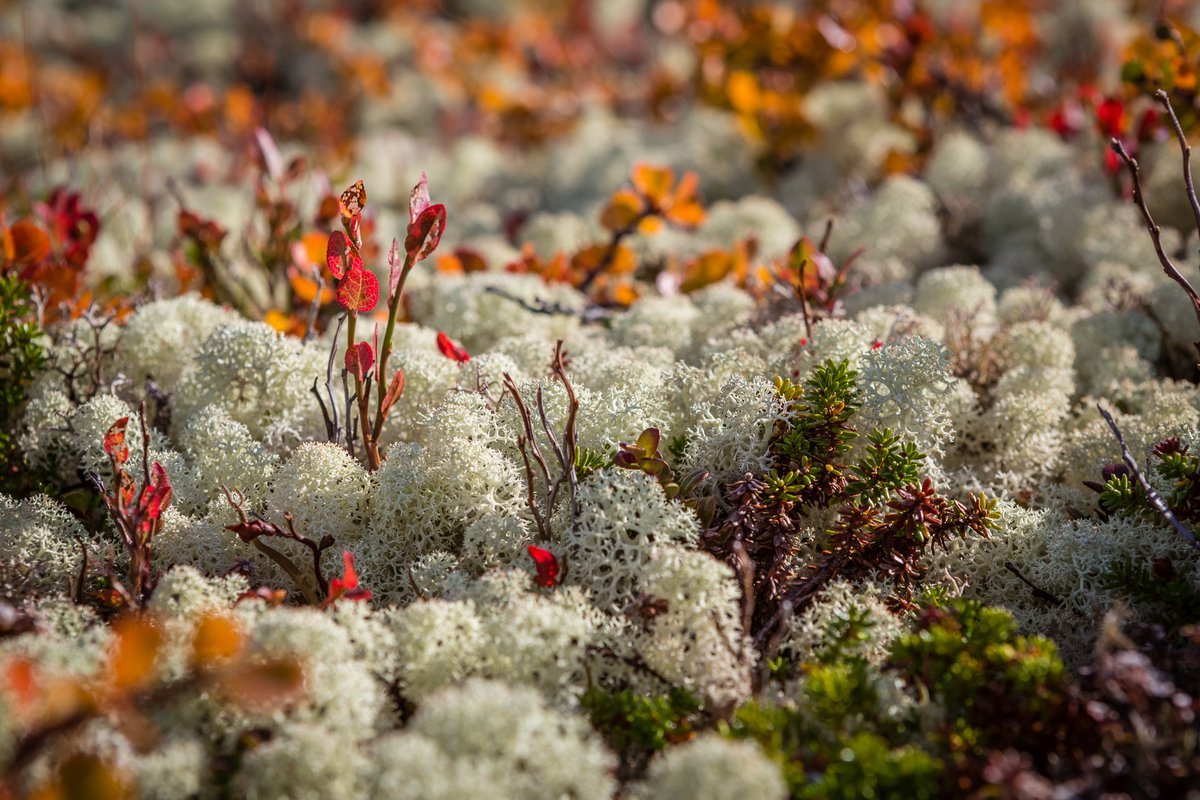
pixel 800 405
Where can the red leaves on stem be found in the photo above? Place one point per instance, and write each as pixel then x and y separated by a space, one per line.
pixel 547 566
pixel 425 222
pixel 451 349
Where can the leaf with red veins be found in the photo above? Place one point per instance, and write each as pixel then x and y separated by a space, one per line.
pixel 547 566
pixel 425 232
pixel 418 199
pixel 359 359
pixel 346 587
pixel 115 446
pixel 340 255
pixel 358 291
pixel 451 349
pixel 395 268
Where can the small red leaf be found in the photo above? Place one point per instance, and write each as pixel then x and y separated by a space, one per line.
pixel 114 442
pixel 358 291
pixel 547 566
pixel 451 349
pixel 340 256
pixel 418 199
pixel 346 587
pixel 359 359
pixel 425 232
pixel 395 268
pixel 395 389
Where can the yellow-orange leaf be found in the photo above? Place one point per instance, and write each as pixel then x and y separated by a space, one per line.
pixel 29 243
pixel 85 776
pixel 278 320
pixel 742 91
pixel 707 269
pixel 623 209
pixel 650 225
pixel 652 182
pixel 217 638
pixel 135 650
pixel 262 685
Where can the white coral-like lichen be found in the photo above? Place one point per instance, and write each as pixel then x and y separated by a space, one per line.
pixel 905 385
pixel 260 378
pixel 698 643
pixel 304 762
pixel 161 338
pixel 326 492
pixel 713 768
pixel 623 515
pixel 40 538
pixel 524 748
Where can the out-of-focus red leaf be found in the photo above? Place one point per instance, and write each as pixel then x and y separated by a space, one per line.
pixel 346 587
pixel 547 566
pixel 451 349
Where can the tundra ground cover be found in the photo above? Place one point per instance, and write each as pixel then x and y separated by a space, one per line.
pixel 631 400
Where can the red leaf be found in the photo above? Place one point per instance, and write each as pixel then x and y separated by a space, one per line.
pixel 451 349
pixel 158 496
pixel 1111 116
pixel 359 359
pixel 340 255
pixel 395 389
pixel 114 442
pixel 358 291
pixel 395 268
pixel 418 199
pixel 346 586
pixel 425 232
pixel 547 566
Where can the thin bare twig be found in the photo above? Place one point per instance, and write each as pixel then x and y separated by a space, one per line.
pixel 1153 496
pixel 315 310
pixel 1155 232
pixel 1186 150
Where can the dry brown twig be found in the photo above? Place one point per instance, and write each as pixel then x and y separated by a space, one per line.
pixel 1153 496
pixel 1139 199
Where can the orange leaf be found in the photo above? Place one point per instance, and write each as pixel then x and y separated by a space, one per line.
pixel 652 182
pixel 623 209
pixel 353 200
pixel 135 650
pixel 263 684
pixel 30 244
pixel 217 638
pixel 86 776
pixel 742 91
pixel 709 268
